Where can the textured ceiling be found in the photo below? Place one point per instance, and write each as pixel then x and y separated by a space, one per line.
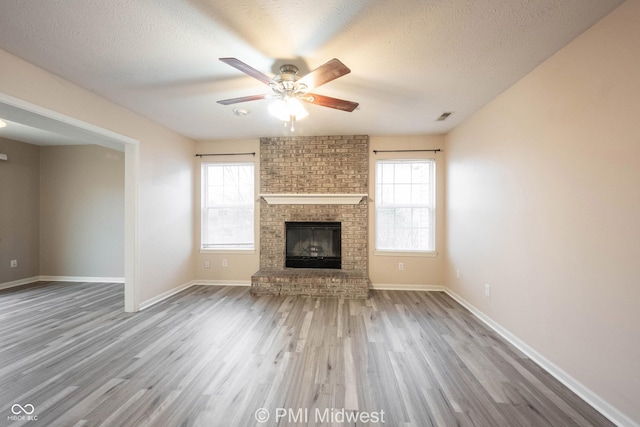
pixel 410 60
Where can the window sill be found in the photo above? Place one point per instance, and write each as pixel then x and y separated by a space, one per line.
pixel 431 254
pixel 228 251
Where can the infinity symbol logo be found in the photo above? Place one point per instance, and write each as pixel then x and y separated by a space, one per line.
pixel 18 409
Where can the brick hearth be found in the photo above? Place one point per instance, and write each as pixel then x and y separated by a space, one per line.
pixel 314 165
pixel 311 282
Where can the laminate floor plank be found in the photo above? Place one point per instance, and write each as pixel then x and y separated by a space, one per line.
pixel 218 356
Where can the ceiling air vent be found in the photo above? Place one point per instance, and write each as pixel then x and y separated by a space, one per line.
pixel 444 116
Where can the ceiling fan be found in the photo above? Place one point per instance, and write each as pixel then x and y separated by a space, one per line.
pixel 288 88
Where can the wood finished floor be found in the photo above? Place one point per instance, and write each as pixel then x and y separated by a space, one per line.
pixel 213 356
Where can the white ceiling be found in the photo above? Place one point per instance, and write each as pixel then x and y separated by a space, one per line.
pixel 410 60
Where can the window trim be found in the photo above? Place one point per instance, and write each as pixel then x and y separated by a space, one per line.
pixel 428 253
pixel 203 208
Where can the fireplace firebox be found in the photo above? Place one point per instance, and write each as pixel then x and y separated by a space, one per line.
pixel 313 245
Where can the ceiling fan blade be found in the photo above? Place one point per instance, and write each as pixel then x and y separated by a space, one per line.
pixel 249 70
pixel 324 74
pixel 327 101
pixel 242 99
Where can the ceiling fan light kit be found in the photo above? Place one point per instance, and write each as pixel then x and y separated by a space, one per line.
pixel 288 109
pixel 288 89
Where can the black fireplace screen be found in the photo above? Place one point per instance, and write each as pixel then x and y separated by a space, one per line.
pixel 313 245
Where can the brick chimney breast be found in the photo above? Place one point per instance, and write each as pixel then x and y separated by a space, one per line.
pixel 314 165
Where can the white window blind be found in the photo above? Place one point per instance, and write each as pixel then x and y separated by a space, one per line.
pixel 228 203
pixel 405 205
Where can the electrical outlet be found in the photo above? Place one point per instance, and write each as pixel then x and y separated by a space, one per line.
pixel 458 273
pixel 207 264
pixel 14 263
pixel 487 290
pixel 401 266
pixel 224 263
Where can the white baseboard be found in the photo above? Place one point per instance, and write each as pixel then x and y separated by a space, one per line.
pixel 19 282
pixel 599 404
pixel 151 301
pixel 34 279
pixel 163 296
pixel 87 279
pixel 405 287
pixel 222 282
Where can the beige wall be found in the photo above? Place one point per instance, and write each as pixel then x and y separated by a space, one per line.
pixel 165 192
pixel 418 270
pixel 543 202
pixel 19 210
pixel 81 211
pixel 239 265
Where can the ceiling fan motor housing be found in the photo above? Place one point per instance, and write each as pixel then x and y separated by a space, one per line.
pixel 287 82
pixel 288 69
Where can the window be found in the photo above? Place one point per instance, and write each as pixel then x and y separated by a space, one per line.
pixel 405 205
pixel 227 206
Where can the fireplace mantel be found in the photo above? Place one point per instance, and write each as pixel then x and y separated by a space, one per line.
pixel 313 199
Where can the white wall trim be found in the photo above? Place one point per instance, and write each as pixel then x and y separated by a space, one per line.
pixel 131 227
pixel 406 287
pixel 19 282
pixel 87 279
pixel 222 282
pixel 50 120
pixel 163 296
pixel 599 404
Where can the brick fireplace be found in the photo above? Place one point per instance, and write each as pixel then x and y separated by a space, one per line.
pixel 313 179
